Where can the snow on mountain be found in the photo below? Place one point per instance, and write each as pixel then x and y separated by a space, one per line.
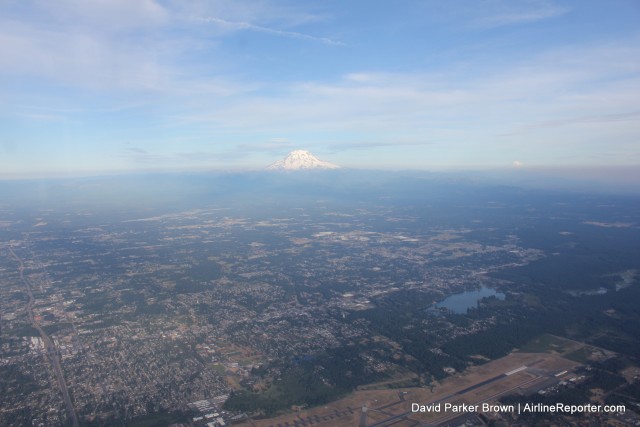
pixel 301 159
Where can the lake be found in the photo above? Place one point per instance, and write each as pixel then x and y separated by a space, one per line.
pixel 462 302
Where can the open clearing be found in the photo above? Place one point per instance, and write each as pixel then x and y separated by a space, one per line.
pixel 485 383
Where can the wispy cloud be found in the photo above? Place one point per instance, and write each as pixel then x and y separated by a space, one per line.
pixel 566 86
pixel 368 145
pixel 123 46
pixel 238 26
pixel 196 91
pixel 111 16
pixel 503 13
pixel 139 155
pixel 271 146
pixel 78 59
pixel 594 119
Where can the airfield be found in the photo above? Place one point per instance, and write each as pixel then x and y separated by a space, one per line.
pixel 541 365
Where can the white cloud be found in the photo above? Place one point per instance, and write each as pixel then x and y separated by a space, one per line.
pixel 504 109
pixel 78 59
pixel 120 49
pixel 103 15
pixel 118 46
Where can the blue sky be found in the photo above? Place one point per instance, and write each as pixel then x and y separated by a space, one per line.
pixel 117 85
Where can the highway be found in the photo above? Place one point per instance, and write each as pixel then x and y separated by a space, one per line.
pixel 50 348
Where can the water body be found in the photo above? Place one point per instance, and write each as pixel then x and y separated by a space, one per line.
pixel 462 302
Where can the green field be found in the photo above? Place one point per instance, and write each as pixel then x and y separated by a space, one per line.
pixel 580 355
pixel 546 344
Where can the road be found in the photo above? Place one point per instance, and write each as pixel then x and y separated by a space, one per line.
pixel 48 344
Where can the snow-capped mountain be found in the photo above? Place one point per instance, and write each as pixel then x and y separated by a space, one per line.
pixel 301 159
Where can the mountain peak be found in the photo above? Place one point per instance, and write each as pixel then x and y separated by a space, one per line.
pixel 301 159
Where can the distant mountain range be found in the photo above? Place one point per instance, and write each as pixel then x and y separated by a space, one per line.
pixel 301 159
